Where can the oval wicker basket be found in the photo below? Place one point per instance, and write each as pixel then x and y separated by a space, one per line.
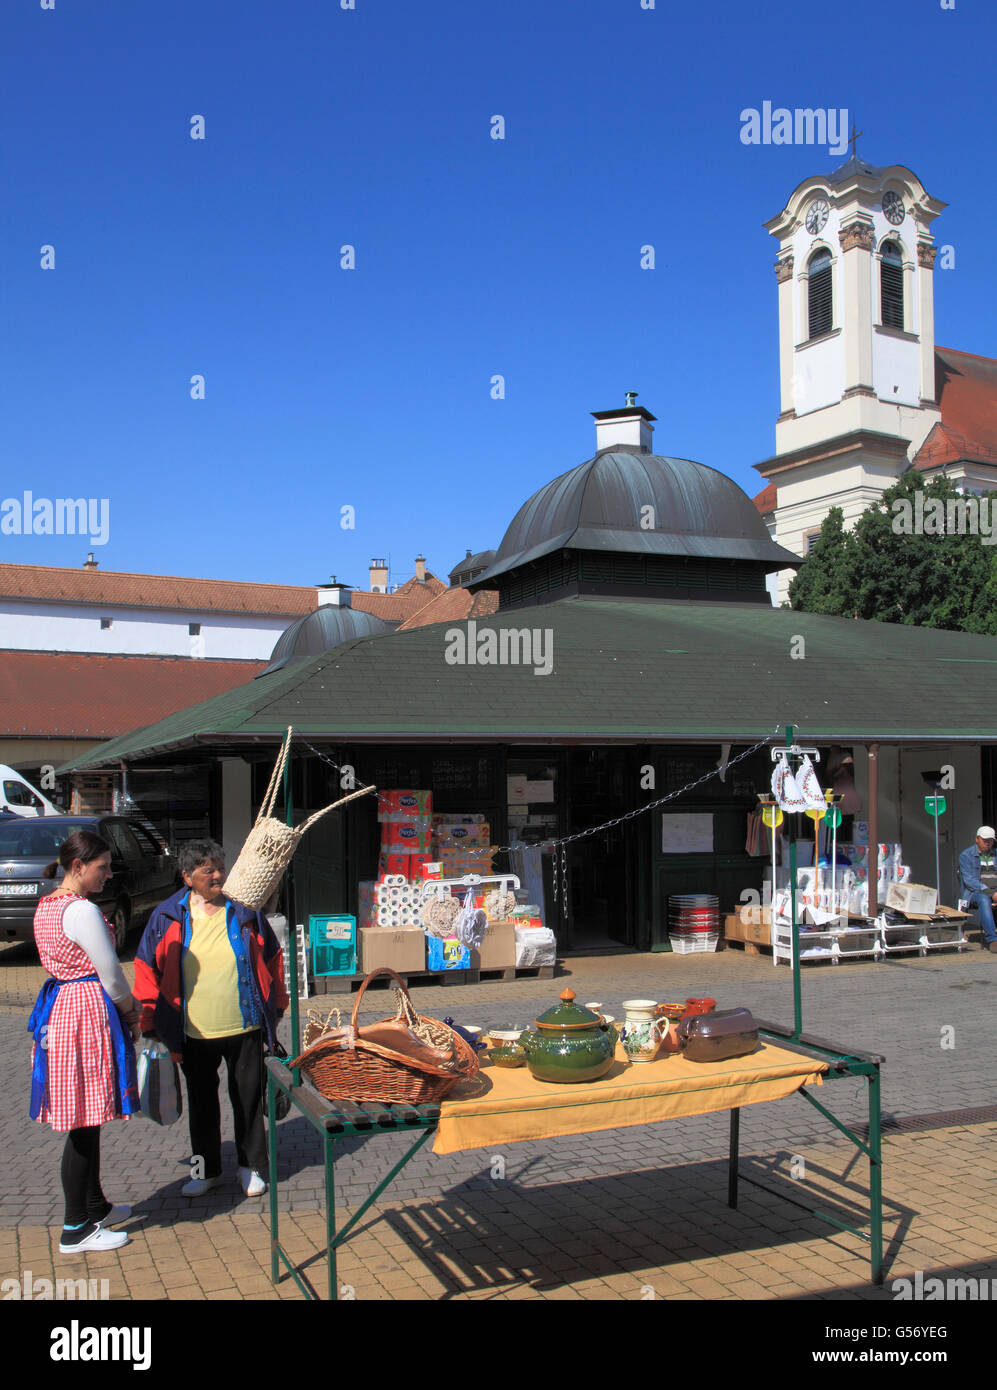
pixel 344 1065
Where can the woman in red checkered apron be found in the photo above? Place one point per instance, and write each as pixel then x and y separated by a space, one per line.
pixel 84 1023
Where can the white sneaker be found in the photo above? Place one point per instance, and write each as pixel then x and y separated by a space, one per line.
pixel 252 1183
pixel 98 1239
pixel 197 1187
pixel 118 1213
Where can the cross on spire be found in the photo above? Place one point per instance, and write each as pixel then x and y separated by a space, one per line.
pixel 854 137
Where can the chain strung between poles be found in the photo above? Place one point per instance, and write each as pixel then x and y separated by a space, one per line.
pixel 606 825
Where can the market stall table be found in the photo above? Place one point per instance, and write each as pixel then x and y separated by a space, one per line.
pixel 510 1106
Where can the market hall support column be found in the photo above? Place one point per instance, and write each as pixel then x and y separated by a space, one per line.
pixel 873 871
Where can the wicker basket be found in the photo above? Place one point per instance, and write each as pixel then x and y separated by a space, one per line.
pixel 344 1065
pixel 270 845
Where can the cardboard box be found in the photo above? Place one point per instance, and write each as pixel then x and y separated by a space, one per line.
pixel 912 897
pixel 498 950
pixel 756 916
pixel 403 948
pixel 733 927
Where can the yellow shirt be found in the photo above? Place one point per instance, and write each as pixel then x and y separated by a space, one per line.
pixel 210 977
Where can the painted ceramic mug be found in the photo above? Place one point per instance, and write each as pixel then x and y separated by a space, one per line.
pixel 642 1030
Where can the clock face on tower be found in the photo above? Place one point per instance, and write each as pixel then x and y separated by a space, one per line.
pixel 817 215
pixel 893 208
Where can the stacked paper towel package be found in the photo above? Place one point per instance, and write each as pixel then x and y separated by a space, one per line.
pixel 419 847
pixel 850 893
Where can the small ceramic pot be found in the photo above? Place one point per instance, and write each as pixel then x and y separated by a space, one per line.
pixel 507 1056
pixel 698 1006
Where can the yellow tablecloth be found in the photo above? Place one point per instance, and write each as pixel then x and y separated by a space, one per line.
pixel 509 1106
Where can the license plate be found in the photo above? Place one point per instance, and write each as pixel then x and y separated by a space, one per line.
pixel 18 890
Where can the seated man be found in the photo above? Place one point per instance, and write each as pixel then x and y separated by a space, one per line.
pixel 979 880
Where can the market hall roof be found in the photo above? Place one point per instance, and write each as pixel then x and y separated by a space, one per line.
pixel 687 510
pixel 621 670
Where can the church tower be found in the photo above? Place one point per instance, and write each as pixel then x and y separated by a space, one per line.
pixel 856 344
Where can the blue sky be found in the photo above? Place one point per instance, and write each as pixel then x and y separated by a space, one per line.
pixel 475 257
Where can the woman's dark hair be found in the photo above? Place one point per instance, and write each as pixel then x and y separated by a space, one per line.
pixel 192 854
pixel 83 845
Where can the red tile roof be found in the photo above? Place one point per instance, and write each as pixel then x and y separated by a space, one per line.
pixel 404 603
pixel 67 694
pixel 454 606
pixel 155 591
pixel 966 391
pixel 765 501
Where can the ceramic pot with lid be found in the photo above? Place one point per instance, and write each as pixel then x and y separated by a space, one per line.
pixel 571 1043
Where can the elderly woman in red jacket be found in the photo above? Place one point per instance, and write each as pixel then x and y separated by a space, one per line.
pixel 209 976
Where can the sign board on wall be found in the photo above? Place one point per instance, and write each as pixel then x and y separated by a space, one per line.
pixel 686 832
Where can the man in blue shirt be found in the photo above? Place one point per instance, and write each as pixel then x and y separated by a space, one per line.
pixel 979 880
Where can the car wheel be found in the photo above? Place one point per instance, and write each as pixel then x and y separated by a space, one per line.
pixel 121 922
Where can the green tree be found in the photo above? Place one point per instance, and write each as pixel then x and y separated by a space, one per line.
pixel 912 557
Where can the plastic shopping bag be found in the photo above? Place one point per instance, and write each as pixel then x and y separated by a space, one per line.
pixel 159 1084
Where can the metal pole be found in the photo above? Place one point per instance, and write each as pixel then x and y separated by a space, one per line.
pixel 797 990
pixel 873 751
pixel 733 1156
pixel 292 931
pixel 938 869
pixel 875 1178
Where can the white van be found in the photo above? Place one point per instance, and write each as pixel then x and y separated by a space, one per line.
pixel 21 797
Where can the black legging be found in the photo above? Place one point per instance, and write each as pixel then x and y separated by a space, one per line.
pixel 85 1201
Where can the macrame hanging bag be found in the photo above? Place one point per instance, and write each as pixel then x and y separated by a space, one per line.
pixel 270 845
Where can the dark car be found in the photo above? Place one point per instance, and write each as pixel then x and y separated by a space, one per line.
pixel 143 870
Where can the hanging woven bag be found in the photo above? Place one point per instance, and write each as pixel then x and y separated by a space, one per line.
pixel 270 845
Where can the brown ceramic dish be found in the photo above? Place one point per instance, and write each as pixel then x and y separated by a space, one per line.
pixel 715 1037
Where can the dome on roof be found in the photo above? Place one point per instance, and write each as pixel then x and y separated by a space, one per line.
pixel 322 630
pixel 627 500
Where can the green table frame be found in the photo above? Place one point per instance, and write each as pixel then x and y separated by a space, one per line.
pixel 344 1120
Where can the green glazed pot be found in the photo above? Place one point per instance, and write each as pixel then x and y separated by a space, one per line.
pixel 571 1043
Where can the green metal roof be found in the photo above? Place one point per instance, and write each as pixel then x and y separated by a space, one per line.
pixel 622 669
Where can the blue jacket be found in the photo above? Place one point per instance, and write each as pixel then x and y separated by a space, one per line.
pixel 159 985
pixel 969 871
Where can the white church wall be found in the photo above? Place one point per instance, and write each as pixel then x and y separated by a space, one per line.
pixel 35 626
pixel 896 366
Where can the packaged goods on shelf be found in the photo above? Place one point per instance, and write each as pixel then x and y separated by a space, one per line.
pixel 455 818
pixel 412 836
pixel 446 954
pixel 459 834
pixel 404 804
pixel 535 946
pixel 915 898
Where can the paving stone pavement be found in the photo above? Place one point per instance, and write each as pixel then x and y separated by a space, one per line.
pixel 614 1214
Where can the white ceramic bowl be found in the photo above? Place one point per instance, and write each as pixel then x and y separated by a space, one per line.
pixel 505 1037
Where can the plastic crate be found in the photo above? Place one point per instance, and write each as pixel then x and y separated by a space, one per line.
pixel 700 941
pixel 333 941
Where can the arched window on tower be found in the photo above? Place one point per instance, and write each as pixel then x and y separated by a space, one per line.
pixel 819 295
pixel 891 285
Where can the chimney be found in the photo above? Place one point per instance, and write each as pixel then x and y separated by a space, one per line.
pixel 632 425
pixel 420 568
pixel 90 563
pixel 378 576
pixel 335 592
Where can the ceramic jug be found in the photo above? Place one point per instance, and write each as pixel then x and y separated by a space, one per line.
pixel 643 1031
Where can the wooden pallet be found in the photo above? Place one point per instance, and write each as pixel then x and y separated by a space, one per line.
pixel 750 948
pixel 510 972
pixel 347 984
